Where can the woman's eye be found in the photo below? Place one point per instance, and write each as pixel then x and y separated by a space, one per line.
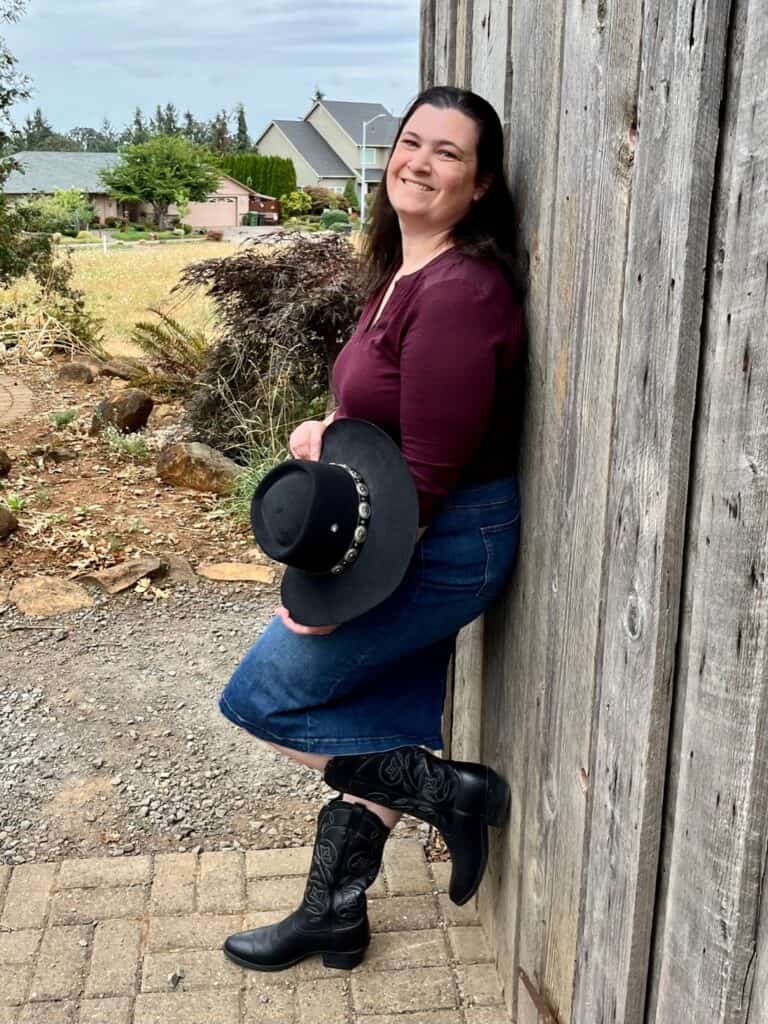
pixel 446 152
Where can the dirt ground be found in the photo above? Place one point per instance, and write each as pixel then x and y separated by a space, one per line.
pixel 110 732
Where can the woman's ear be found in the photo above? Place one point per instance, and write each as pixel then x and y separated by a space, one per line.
pixel 481 187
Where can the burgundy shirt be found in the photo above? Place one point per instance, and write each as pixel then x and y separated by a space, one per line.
pixel 441 371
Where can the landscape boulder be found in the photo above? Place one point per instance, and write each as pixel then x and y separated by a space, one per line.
pixel 80 373
pixel 128 411
pixel 5 462
pixel 8 522
pixel 195 465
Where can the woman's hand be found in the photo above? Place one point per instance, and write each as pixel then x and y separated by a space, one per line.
pixel 306 441
pixel 296 627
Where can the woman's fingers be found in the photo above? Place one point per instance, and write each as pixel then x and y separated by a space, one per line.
pixel 296 627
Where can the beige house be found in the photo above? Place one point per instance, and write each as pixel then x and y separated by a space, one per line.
pixel 47 172
pixel 327 145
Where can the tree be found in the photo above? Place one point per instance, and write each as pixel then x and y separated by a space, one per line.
pixel 91 141
pixel 67 210
pixel 195 131
pixel 163 170
pixel 170 120
pixel 350 194
pixel 219 137
pixel 295 203
pixel 137 131
pixel 13 86
pixel 242 141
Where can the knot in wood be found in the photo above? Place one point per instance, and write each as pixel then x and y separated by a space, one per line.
pixel 633 617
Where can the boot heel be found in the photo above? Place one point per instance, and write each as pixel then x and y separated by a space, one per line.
pixel 497 800
pixel 343 961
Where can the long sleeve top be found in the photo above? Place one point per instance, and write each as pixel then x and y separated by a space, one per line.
pixel 441 371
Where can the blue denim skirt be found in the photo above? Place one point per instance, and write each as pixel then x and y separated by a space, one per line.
pixel 378 681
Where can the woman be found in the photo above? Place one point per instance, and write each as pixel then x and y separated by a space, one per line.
pixel 437 361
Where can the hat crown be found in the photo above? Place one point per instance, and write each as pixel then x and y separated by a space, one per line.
pixel 305 513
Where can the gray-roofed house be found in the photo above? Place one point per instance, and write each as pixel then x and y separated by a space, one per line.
pixel 47 172
pixel 327 145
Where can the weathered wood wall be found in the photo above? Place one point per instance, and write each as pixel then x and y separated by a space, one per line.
pixel 628 884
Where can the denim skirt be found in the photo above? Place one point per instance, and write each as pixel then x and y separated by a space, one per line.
pixel 378 681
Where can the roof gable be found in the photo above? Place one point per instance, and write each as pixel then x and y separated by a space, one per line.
pixel 308 141
pixel 350 117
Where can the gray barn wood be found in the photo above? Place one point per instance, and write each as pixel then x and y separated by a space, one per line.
pixel 627 886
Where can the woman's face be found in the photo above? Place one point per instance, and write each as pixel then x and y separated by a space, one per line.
pixel 432 169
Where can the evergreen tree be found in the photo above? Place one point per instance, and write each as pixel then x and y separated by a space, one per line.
pixel 243 141
pixel 137 131
pixel 157 123
pixel 170 120
pixel 220 140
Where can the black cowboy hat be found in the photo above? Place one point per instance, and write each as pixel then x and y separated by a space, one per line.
pixel 345 526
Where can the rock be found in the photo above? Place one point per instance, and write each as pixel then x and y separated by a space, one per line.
pixel 8 522
pixel 5 462
pixel 47 595
pixel 125 574
pixel 176 569
pixel 195 465
pixel 128 411
pixel 163 415
pixel 49 454
pixel 126 369
pixel 237 571
pixel 78 372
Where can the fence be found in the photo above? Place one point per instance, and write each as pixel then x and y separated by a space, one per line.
pixel 622 684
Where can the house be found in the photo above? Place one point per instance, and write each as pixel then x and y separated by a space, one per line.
pixel 327 145
pixel 47 172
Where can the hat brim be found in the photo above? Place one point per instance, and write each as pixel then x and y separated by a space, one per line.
pixel 330 600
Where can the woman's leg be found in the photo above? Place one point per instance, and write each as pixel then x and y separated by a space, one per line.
pixel 318 762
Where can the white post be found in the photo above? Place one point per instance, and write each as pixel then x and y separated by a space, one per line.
pixel 362 172
pixel 104 242
pixel 362 182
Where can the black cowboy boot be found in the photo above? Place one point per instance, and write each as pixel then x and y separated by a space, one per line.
pixel 460 798
pixel 332 917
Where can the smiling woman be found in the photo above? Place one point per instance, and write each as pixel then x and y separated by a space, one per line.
pixel 437 362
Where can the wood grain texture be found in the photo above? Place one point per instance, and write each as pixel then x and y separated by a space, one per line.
pixel 468 688
pixel 674 158
pixel 711 946
pixel 427 43
pixel 600 53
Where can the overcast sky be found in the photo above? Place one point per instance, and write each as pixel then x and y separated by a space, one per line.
pixel 91 59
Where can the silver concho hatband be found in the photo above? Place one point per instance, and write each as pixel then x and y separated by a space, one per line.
pixel 363 516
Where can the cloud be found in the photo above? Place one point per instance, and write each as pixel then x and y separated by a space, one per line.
pixel 91 58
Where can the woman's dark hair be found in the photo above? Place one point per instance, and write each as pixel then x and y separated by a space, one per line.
pixel 489 230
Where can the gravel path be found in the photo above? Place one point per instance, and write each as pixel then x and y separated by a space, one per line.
pixel 112 741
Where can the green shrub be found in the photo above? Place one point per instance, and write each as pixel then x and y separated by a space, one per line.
pixel 293 204
pixel 134 446
pixel 178 353
pixel 340 229
pixel 63 419
pixel 330 217
pixel 284 311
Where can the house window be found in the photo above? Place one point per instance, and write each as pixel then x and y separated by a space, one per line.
pixel 368 157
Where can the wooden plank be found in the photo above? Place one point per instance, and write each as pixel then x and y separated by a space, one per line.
pixel 427 44
pixel 468 693
pixel 599 57
pixel 490 33
pixel 445 41
pixel 462 76
pixel 648 474
pixel 516 628
pixel 711 945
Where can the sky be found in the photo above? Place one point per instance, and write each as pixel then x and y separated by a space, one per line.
pixel 91 59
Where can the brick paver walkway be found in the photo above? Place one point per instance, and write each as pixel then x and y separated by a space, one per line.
pixel 136 940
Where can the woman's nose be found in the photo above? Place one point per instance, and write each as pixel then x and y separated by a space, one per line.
pixel 420 161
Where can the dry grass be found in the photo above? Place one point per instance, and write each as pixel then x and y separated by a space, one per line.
pixel 121 286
